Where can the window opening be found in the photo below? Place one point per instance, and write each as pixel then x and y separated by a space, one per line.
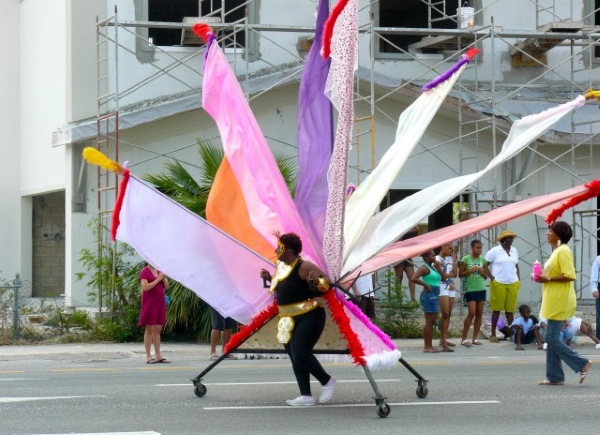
pixel 420 14
pixel 174 11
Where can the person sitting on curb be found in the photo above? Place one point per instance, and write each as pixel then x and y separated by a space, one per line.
pixel 524 329
pixel 570 329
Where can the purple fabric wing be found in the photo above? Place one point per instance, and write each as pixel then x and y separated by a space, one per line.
pixel 315 136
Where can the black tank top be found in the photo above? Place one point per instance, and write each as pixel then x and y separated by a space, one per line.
pixel 294 289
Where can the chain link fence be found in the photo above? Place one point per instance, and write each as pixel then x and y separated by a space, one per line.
pixel 10 302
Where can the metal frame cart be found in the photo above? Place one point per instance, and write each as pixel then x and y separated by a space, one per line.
pixel 383 409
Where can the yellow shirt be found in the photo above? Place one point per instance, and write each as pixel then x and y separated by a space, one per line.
pixel 558 298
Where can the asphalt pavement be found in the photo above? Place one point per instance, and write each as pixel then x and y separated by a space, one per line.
pixel 410 348
pixel 61 388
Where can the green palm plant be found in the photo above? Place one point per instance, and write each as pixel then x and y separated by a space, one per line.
pixel 186 310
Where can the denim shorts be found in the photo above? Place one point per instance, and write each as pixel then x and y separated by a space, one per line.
pixel 430 302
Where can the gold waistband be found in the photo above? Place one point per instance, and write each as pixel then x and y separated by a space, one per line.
pixel 298 308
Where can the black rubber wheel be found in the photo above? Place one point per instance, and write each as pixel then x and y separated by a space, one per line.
pixel 200 390
pixel 383 410
pixel 422 391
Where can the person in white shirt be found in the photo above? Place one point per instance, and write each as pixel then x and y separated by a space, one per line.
pixel 502 267
pixel 364 292
pixel 447 260
pixel 570 328
pixel 524 330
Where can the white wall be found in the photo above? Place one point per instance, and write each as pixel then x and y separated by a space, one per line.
pixel 42 93
pixel 62 57
pixel 81 57
pixel 10 206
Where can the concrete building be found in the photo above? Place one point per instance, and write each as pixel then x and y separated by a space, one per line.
pixel 124 75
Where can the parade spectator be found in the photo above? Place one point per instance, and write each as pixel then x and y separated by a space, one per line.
pixel 429 276
pixel 447 261
pixel 502 268
pixel 472 270
pixel 407 266
pixel 525 330
pixel 153 312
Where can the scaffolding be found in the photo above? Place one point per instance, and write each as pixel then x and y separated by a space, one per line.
pixel 478 105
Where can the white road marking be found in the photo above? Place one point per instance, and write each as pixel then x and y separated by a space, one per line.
pixel 109 433
pixel 355 405
pixel 18 379
pixel 274 383
pixel 31 399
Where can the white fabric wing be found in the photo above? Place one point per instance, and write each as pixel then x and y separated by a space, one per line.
pixel 224 273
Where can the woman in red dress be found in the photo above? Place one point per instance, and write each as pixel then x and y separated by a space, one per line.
pixel 153 313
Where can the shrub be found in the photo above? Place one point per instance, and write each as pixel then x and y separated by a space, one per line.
pixel 395 316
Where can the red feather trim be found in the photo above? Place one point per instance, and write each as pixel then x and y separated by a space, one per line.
pixel 119 204
pixel 329 25
pixel 593 191
pixel 203 31
pixel 472 52
pixel 245 332
pixel 336 309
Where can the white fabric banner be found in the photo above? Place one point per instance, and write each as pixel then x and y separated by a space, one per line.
pixel 385 228
pixel 412 124
pixel 188 249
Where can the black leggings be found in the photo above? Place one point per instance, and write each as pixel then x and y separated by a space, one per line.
pixel 307 330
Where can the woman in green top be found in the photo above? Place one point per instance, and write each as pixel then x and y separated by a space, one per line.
pixel 429 276
pixel 471 268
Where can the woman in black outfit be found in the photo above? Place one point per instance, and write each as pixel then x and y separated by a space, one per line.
pixel 297 285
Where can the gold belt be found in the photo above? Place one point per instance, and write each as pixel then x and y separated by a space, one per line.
pixel 298 308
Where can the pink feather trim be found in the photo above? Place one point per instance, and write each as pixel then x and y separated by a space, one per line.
pixel 372 327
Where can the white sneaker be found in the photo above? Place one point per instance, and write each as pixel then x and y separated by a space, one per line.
pixel 598 346
pixel 302 401
pixel 327 391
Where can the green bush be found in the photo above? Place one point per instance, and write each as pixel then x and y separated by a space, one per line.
pixel 64 320
pixel 395 315
pixel 124 331
pixel 114 284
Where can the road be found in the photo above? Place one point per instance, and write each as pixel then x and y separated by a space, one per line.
pixel 489 389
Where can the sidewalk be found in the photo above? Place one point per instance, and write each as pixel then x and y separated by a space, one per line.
pixel 408 347
pixel 97 351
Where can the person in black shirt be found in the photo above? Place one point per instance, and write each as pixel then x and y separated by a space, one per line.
pixel 297 285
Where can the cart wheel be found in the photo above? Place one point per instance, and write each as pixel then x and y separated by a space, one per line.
pixel 383 410
pixel 200 390
pixel 422 391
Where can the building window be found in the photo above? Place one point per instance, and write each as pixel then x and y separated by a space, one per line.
pixel 173 11
pixel 419 14
pixel 591 21
pixel 596 18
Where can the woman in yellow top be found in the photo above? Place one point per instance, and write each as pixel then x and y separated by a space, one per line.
pixel 558 305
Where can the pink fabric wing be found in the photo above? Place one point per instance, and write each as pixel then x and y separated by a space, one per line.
pixel 415 246
pixel 269 203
